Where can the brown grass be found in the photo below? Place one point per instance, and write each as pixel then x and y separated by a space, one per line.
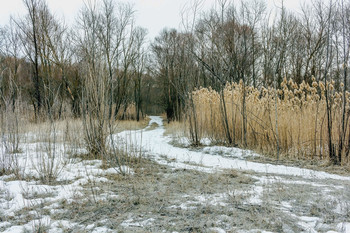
pixel 128 112
pixel 301 110
pixel 131 124
pixel 75 125
pixel 174 128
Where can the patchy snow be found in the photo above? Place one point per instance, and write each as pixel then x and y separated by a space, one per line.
pixel 4 224
pixel 14 229
pixel 155 143
pixel 309 223
pixel 344 227
pixel 256 193
pixel 231 152
pixel 206 141
pixel 16 201
pixel 137 223
pixel 73 175
pixel 102 230
pixel 216 230
pixel 216 158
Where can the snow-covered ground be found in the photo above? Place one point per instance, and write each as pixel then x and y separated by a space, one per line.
pixel 211 158
pixel 214 159
pixel 282 189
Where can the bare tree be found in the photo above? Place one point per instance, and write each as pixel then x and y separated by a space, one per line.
pixel 9 50
pixel 344 147
pixel 139 64
pixel 29 37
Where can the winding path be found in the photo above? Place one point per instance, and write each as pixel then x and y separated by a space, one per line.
pixel 155 143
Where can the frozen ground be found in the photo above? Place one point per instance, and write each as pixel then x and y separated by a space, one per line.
pixel 212 189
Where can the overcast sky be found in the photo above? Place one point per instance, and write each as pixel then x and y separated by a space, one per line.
pixel 151 14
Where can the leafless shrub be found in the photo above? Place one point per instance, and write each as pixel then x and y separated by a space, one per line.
pixel 109 44
pixel 10 141
pixel 73 137
pixel 50 156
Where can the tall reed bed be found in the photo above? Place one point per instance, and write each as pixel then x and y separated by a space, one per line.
pixel 301 117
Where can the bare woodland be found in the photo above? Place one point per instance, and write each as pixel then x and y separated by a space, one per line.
pixel 238 74
pixel 237 121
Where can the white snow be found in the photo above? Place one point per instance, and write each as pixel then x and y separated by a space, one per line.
pixel 216 230
pixel 344 227
pixel 14 229
pixel 309 223
pixel 155 143
pixel 215 158
pixel 137 223
pixel 228 152
pixel 20 194
pixel 74 174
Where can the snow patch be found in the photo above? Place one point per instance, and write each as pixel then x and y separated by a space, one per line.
pixel 344 227
pixel 137 223
pixel 158 145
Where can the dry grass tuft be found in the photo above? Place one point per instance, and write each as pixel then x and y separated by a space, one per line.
pixel 131 124
pixel 174 128
pixel 128 112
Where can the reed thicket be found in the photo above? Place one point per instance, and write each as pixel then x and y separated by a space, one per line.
pixel 301 117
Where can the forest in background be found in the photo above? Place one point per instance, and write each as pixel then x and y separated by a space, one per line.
pixel 237 68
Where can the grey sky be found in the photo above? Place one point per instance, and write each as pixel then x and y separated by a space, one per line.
pixel 151 14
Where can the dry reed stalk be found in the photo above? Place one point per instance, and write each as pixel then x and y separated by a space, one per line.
pixel 301 111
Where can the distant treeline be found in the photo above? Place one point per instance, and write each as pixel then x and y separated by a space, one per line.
pixel 242 40
pixel 46 64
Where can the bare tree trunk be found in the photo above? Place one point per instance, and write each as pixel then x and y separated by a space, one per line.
pixel 342 135
pixel 276 116
pixel 331 148
pixel 225 117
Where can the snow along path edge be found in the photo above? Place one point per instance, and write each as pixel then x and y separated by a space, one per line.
pixel 155 143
